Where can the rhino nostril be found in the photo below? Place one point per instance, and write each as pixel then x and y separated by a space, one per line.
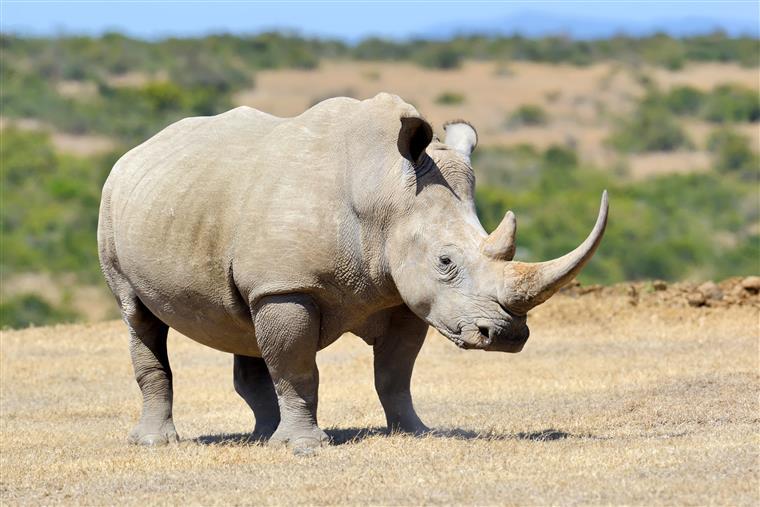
pixel 484 331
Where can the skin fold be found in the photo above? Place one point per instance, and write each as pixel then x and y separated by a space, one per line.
pixel 269 238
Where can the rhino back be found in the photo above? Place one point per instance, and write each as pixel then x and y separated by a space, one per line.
pixel 214 212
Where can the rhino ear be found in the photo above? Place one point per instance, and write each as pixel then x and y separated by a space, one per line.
pixel 413 137
pixel 461 136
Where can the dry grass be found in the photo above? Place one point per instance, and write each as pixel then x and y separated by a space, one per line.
pixel 646 165
pixel 571 94
pixel 92 302
pixel 609 403
pixel 76 144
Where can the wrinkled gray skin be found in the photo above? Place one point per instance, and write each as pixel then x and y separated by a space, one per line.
pixel 270 237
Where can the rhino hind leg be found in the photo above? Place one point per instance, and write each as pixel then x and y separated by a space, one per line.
pixel 147 346
pixel 254 384
pixel 154 376
pixel 395 353
pixel 287 332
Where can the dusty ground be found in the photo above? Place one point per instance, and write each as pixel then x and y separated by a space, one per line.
pixel 623 395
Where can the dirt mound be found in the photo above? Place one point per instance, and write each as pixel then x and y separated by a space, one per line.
pixel 735 291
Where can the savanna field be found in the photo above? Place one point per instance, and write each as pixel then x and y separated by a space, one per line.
pixel 640 394
pixel 629 392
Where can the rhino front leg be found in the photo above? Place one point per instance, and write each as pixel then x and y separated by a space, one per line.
pixel 395 353
pixel 254 384
pixel 287 332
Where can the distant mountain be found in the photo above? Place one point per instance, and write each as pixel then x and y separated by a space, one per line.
pixel 539 24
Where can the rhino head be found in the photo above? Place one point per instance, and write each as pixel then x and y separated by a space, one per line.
pixel 446 268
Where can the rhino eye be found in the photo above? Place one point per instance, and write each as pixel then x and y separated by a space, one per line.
pixel 446 267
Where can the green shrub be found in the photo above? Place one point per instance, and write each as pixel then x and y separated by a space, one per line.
pixel 684 100
pixel 450 99
pixel 30 309
pixel 732 152
pixel 664 51
pixel 162 96
pixel 442 57
pixel 25 157
pixel 127 113
pixel 651 127
pixel 560 157
pixel 719 47
pixel 732 103
pixel 528 115
pixel 49 206
pixel 725 103
pixel 375 48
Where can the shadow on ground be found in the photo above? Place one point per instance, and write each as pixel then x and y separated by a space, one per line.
pixel 340 436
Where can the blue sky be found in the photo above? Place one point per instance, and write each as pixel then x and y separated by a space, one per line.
pixel 355 19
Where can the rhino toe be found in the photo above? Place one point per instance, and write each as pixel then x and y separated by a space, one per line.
pixel 306 446
pixel 153 437
pixel 302 443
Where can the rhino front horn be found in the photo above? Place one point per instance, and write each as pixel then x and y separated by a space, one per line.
pixel 530 284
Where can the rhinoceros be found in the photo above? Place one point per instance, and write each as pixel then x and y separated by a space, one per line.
pixel 270 237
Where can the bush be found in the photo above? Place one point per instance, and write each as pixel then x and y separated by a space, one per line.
pixel 725 103
pixel 684 100
pixel 442 57
pixel 732 103
pixel 450 99
pixel 374 48
pixel 664 51
pixel 650 128
pixel 560 157
pixel 30 309
pixel 528 115
pixel 162 96
pixel 130 114
pixel 732 152
pixel 49 207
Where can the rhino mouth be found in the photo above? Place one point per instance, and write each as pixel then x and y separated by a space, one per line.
pixel 478 338
pixel 456 337
pixel 513 343
pixel 488 338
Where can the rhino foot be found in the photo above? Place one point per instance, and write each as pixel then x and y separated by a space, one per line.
pixel 405 421
pixel 302 442
pixel 416 428
pixel 154 435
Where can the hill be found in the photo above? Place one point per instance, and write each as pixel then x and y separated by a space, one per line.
pixel 668 125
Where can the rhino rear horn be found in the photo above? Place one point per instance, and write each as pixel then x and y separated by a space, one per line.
pixel 530 284
pixel 413 137
pixel 500 244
